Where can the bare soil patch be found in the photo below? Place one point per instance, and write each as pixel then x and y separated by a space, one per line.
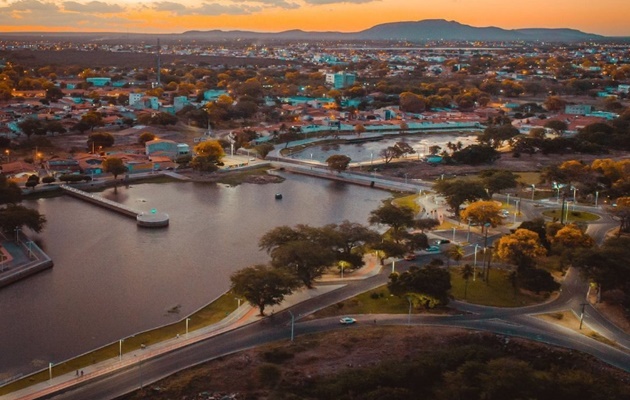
pixel 238 376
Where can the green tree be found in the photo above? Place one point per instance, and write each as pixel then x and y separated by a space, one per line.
pixel 426 224
pixel 398 218
pixel 99 140
pixel 31 126
pixel 262 286
pixel 16 216
pixel 467 272
pixel 263 149
pixel 114 166
pixel 338 162
pixel 458 191
pixel 32 181
pixel 92 119
pixel 430 283
pixel 497 180
pixel 454 252
pixel 145 137
pixel 303 251
pixel 10 192
pixel 48 179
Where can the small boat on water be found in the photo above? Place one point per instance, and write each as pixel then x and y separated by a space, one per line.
pixel 278 196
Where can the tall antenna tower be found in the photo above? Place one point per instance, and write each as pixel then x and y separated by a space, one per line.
pixel 159 68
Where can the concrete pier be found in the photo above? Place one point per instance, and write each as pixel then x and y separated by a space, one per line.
pixel 144 219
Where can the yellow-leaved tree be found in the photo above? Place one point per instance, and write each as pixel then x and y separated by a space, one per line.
pixel 481 212
pixel 521 248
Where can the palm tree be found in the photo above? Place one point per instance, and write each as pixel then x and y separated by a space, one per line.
pixel 467 271
pixel 454 252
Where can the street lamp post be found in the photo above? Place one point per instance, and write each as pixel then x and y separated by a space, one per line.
pixel 468 234
pixel 17 234
pixel 596 197
pixel 50 365
pixel 120 349
pixel 405 178
pixel 533 191
pixel 574 190
pixel 409 315
pixel 393 266
pixel 475 264
pixel 292 324
pixel 508 199
pixel 188 320
pixel 453 235
pixel 371 159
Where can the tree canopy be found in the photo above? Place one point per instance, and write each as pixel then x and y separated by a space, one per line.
pixel 482 212
pixel 338 162
pixel 262 286
pixel 114 166
pixel 430 283
pixel 397 218
pixel 458 191
pixel 520 248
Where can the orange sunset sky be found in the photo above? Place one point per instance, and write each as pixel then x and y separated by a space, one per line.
pixel 605 17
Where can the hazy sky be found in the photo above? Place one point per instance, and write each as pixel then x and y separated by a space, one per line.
pixel 606 17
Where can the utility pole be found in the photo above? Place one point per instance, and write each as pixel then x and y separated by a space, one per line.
pixel 582 314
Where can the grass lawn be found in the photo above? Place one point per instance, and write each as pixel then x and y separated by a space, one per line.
pixel 410 201
pixel 498 292
pixel 210 314
pixel 572 216
pixel 376 301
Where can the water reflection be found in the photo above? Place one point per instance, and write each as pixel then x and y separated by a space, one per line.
pixel 369 150
pixel 112 279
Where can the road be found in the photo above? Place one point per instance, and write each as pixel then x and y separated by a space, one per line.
pixel 520 322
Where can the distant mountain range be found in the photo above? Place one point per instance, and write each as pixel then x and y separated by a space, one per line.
pixel 415 31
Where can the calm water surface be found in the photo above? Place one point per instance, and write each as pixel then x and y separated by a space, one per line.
pixel 112 279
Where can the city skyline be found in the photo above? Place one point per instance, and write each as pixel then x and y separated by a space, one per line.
pixel 607 17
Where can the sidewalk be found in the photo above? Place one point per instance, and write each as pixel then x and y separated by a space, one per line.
pixel 243 315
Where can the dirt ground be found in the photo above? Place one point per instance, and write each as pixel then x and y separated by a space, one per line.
pixel 236 376
pixel 525 163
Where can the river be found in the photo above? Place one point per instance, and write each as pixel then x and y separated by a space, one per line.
pixel 112 279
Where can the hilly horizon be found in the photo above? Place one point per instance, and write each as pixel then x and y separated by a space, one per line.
pixel 429 29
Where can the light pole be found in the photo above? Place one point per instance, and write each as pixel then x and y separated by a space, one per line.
pixel 508 199
pixel 50 365
pixel 533 191
pixel 596 197
pixel 475 264
pixel 574 190
pixel 292 324
pixel 188 320
pixel 409 315
pixel 371 159
pixel 582 315
pixel 453 235
pixel 468 235
pixel 393 266
pixel 566 212
pixel 238 302
pixel 405 178
pixel 17 234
